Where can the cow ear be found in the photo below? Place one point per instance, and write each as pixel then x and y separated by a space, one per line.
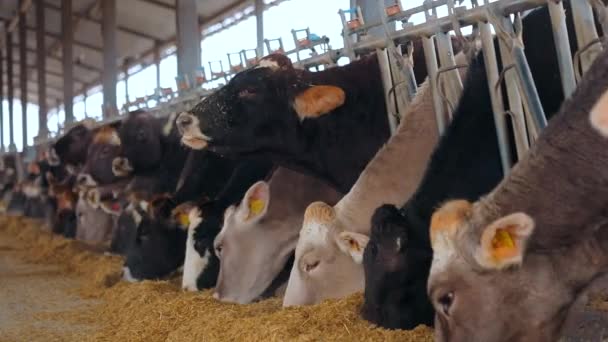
pixel 352 244
pixel 503 242
pixel 318 100
pixel 93 198
pixel 599 115
pixel 255 203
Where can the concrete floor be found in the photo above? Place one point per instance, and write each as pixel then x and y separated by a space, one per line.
pixel 31 296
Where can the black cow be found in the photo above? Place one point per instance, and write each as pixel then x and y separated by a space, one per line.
pixel 151 147
pixel 465 165
pixel 71 149
pixel 104 147
pixel 328 123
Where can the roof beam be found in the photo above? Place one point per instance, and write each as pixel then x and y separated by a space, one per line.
pixel 81 64
pixel 88 17
pixel 48 72
pixel 160 4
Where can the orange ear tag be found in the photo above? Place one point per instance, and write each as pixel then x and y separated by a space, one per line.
pixel 255 207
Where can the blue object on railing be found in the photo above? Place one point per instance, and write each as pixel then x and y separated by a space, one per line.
pixel 313 37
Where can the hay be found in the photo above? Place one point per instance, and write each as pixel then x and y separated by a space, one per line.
pixel 161 311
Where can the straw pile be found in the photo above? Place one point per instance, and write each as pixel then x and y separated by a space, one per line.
pixel 160 311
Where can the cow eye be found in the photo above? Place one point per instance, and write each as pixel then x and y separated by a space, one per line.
pixel 445 302
pixel 218 250
pixel 247 93
pixel 309 266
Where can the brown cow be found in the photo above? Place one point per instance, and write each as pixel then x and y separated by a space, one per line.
pixel 509 267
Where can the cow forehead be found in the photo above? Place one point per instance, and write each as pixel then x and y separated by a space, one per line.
pixel 107 135
pixel 449 218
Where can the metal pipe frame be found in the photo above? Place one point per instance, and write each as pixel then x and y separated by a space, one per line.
pixel 584 26
pixel 23 75
pixel 431 66
pixel 9 67
pixel 489 56
pixel 516 108
pixel 446 59
pixel 562 45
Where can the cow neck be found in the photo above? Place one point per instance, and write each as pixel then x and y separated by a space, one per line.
pixel 393 174
pixel 569 165
pixel 342 142
pixel 280 279
pixel 465 163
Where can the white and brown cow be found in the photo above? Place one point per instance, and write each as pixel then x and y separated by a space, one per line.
pixel 332 239
pixel 260 234
pixel 509 266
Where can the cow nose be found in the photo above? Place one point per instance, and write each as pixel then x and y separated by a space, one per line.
pixel 81 179
pixel 183 121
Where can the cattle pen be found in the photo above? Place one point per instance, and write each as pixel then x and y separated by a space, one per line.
pixel 285 189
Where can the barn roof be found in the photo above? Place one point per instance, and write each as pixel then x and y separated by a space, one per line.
pixel 142 25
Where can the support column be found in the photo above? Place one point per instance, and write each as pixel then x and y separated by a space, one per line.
pixel 126 73
pixel 84 101
pixel 9 74
pixel 43 130
pixel 259 21
pixel 157 63
pixel 1 102
pixel 23 74
pixel 188 38
pixel 110 71
pixel 67 37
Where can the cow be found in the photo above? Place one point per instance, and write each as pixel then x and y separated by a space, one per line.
pixel 71 149
pixel 259 235
pixel 509 266
pixel 328 124
pixel 324 266
pixel 94 225
pixel 464 165
pixel 105 146
pixel 201 266
pixel 151 147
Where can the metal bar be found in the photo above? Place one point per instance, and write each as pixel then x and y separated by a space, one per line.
pixel 41 69
pixel 489 56
pixel 385 72
pixel 259 23
pixel 446 59
pixel 157 63
pixel 584 26
pixel 562 45
pixel 109 75
pixel 528 88
pixel 515 103
pixel 9 67
pixel 67 32
pixel 23 75
pixel 445 24
pixel 431 66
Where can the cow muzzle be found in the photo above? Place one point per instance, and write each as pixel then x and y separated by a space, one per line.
pixel 188 126
pixel 121 167
pixel 85 180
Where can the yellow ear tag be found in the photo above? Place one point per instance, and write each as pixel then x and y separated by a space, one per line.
pixel 184 221
pixel 255 207
pixel 502 239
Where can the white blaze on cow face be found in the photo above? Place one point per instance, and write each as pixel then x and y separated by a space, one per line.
pixel 121 167
pixel 194 263
pixel 599 115
pixel 327 261
pixel 189 127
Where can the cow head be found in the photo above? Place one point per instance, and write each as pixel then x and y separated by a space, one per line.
pixel 158 248
pixel 105 147
pixel 394 288
pixel 252 247
pixel 141 135
pixel 263 107
pixel 487 287
pixel 71 148
pixel 327 261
